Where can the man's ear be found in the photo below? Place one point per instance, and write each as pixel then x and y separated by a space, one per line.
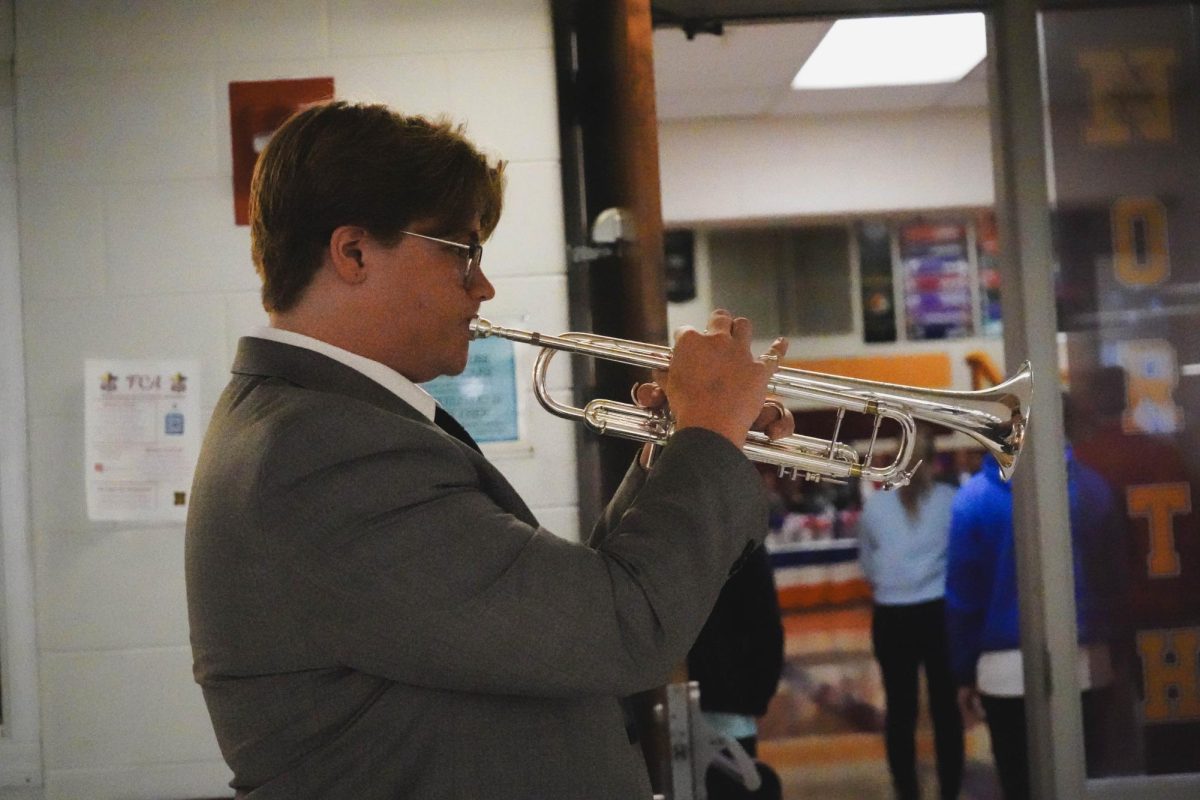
pixel 346 246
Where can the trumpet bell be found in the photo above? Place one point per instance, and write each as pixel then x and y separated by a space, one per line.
pixel 1007 439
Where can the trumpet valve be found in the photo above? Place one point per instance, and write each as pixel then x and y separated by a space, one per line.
pixel 628 421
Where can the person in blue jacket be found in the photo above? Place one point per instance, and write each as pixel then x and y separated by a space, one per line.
pixel 982 614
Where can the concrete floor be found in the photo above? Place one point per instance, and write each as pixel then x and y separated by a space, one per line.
pixel 869 780
pixel 866 780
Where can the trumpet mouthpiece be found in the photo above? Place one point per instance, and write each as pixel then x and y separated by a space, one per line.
pixel 480 328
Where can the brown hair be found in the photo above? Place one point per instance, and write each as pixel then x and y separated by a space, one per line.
pixel 335 164
pixel 924 449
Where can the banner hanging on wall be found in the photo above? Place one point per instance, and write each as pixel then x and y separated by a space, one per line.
pixel 937 287
pixel 142 434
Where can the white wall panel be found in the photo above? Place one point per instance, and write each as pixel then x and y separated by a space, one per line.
pixel 437 26
pixel 112 589
pixel 61 334
pixel 530 239
pixel 507 98
pixel 62 242
pixel 8 116
pixel 411 84
pixel 61 36
pixel 125 707
pixel 57 501
pixel 84 128
pixel 176 237
pixel 20 746
pixel 141 782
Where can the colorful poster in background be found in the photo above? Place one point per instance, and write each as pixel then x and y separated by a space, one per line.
pixel 987 253
pixel 1124 116
pixel 936 264
pixel 142 437
pixel 484 397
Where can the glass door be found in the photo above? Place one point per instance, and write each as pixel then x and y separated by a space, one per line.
pixel 1123 127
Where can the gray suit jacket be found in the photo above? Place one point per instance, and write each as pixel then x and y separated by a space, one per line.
pixel 375 613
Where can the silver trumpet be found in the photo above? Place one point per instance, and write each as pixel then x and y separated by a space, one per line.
pixel 997 418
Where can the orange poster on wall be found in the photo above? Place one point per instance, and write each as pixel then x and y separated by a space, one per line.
pixel 256 109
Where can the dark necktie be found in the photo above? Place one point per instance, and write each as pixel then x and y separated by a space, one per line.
pixel 442 418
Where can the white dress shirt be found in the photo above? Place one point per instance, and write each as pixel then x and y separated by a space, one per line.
pixel 384 375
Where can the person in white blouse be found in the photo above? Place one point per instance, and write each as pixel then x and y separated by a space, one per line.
pixel 902 540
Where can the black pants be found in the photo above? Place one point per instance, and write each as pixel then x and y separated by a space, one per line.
pixel 906 638
pixel 1006 727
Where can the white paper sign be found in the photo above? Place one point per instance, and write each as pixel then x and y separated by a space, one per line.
pixel 143 434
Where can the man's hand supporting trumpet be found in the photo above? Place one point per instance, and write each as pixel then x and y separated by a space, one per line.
pixel 715 382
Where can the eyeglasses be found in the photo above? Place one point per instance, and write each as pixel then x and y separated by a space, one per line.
pixel 472 253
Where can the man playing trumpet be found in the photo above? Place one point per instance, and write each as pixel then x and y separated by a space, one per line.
pixel 374 612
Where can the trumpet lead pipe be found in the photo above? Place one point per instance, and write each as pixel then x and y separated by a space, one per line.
pixel 640 355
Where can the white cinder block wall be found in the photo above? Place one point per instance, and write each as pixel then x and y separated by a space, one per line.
pixel 19 745
pixel 128 249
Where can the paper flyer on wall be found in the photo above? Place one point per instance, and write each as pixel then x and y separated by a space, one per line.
pixel 484 397
pixel 142 438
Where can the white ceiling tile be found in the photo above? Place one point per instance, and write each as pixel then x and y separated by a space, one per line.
pixel 747 71
pixel 744 56
pixel 850 101
pixel 970 92
pixel 750 102
pixel 965 94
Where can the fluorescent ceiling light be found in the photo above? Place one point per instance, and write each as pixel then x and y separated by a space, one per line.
pixel 895 51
